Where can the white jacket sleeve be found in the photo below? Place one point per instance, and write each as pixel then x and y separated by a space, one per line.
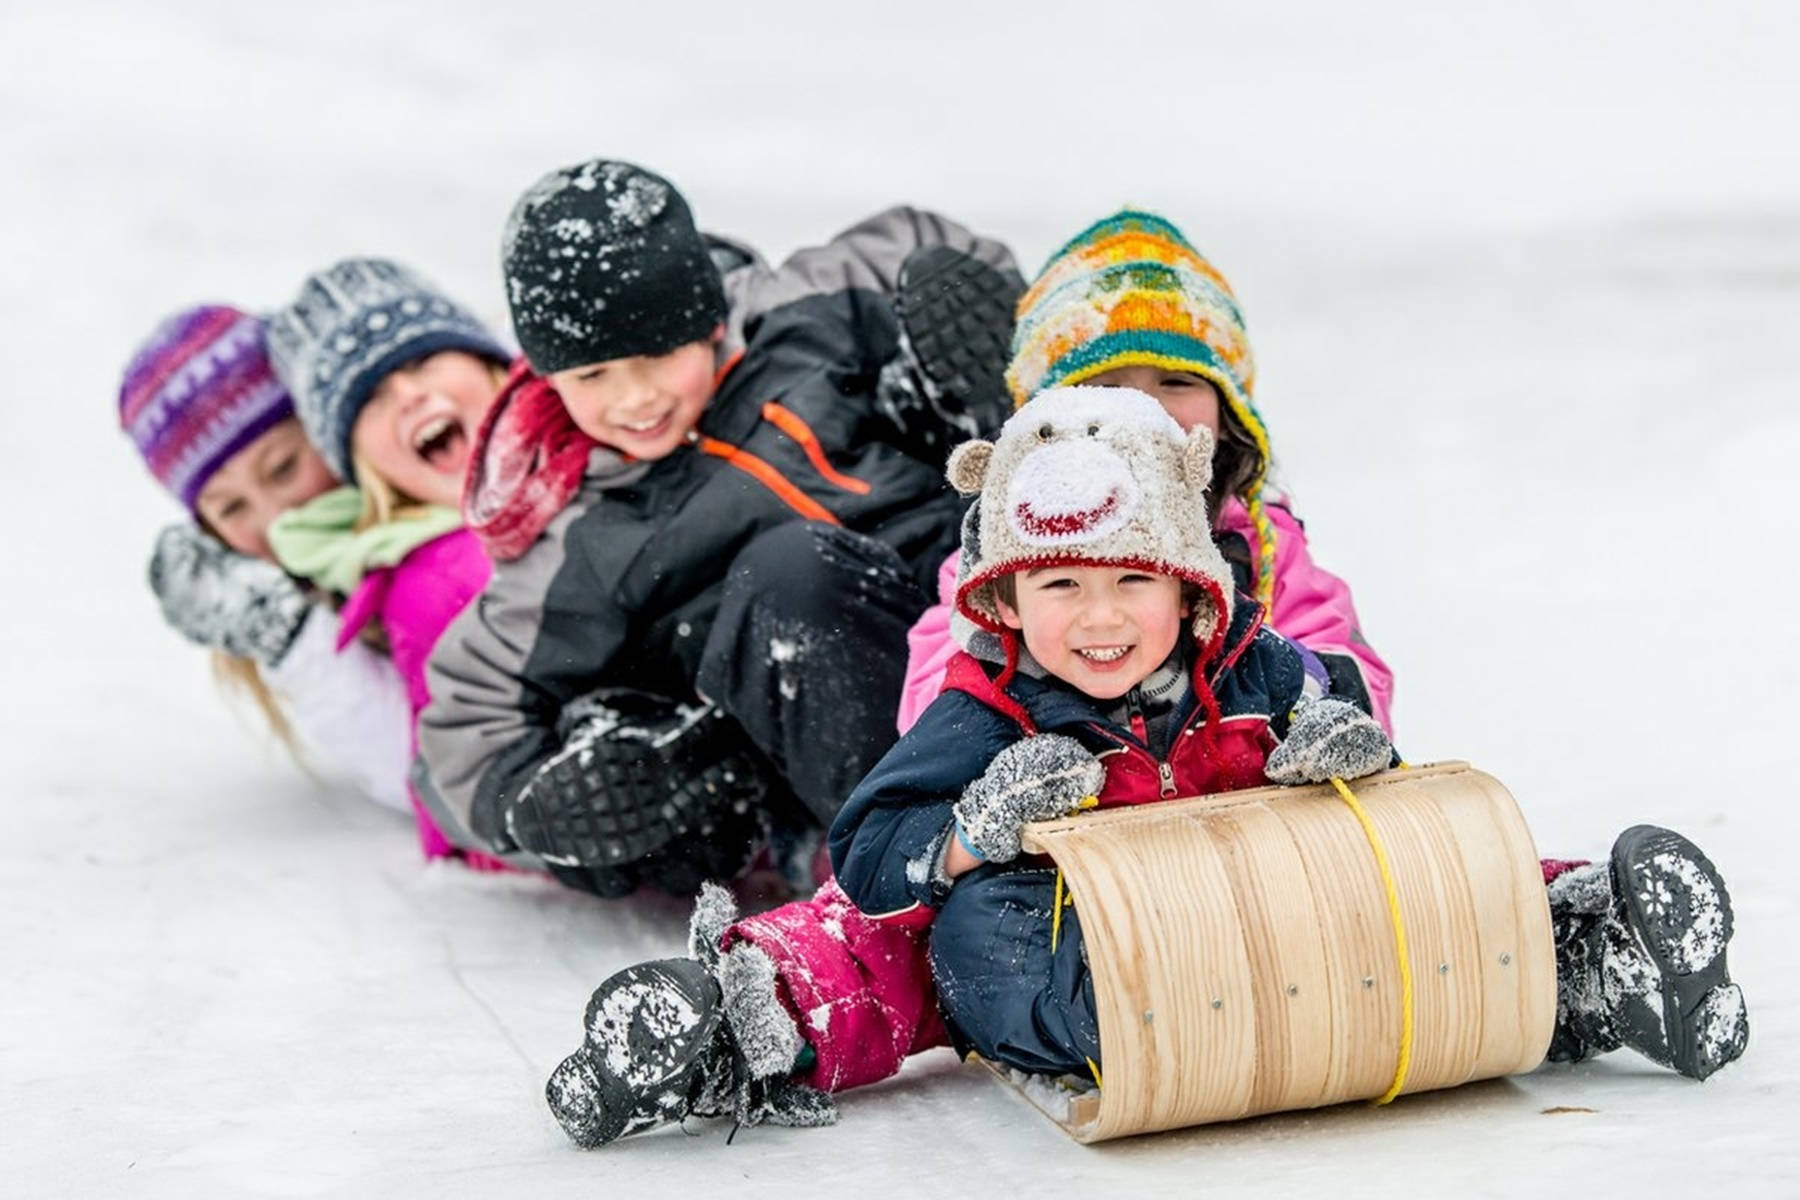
pixel 349 710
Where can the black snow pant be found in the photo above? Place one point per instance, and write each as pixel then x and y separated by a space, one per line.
pixel 808 653
pixel 1003 991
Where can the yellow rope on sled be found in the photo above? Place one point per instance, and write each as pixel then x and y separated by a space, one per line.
pixel 1057 902
pixel 1393 900
pixel 1056 907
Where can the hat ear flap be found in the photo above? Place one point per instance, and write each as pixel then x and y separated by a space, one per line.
pixel 968 466
pixel 1197 457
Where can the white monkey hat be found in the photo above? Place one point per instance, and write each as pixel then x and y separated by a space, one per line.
pixel 1094 476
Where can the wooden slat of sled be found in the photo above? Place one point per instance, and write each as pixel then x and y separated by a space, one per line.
pixel 1519 1000
pixel 1157 896
pixel 1243 954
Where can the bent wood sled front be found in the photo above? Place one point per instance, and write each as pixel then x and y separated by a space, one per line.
pixel 1244 950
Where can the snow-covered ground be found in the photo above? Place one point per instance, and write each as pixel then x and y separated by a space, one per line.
pixel 1522 285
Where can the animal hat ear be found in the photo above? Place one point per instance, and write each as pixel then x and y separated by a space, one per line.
pixel 968 466
pixel 1197 456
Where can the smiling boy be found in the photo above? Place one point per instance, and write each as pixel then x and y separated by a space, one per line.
pixel 697 507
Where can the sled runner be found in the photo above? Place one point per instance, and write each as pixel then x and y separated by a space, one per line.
pixel 1246 948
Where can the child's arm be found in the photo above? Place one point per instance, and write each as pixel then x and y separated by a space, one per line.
pixel 952 794
pixel 929 648
pixel 348 707
pixel 1321 738
pixel 1314 607
pixel 500 676
pixel 889 838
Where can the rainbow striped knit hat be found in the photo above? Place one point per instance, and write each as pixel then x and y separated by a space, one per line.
pixel 198 390
pixel 1127 291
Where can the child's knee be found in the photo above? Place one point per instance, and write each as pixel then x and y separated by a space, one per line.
pixel 1007 992
pixel 806 570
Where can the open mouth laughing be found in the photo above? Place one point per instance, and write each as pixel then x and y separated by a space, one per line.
pixel 442 442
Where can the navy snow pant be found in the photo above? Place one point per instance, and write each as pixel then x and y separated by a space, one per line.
pixel 1003 992
pixel 808 653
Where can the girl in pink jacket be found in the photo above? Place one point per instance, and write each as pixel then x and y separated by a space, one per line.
pixel 1129 303
pixel 825 998
pixel 391 380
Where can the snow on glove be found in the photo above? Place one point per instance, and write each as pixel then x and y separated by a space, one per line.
pixel 1038 779
pixel 216 597
pixel 1328 738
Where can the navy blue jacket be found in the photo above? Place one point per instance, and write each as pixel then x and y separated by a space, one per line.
pixel 890 831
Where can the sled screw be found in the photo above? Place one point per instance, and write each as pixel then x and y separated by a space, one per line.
pixel 1293 989
pixel 1506 959
pixel 1443 968
pixel 1149 1016
pixel 1368 981
pixel 1218 1003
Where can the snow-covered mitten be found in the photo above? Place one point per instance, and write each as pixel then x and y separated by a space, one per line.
pixel 216 597
pixel 670 787
pixel 1037 779
pixel 1329 738
pixel 947 383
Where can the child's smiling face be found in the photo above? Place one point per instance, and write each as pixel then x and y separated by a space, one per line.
pixel 1101 629
pixel 644 405
pixel 419 424
pixel 277 471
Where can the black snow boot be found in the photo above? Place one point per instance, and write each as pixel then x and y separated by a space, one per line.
pixel 948 383
pixel 644 789
pixel 1648 969
pixel 1664 963
pixel 655 1052
pixel 706 1036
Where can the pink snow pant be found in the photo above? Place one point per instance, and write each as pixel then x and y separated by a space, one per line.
pixel 859 989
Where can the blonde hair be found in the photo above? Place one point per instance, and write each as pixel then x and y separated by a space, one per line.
pixel 382 501
pixel 243 676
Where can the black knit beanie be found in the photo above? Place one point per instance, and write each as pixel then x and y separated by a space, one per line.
pixel 602 261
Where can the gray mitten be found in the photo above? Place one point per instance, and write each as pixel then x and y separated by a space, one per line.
pixel 1037 779
pixel 1328 738
pixel 216 597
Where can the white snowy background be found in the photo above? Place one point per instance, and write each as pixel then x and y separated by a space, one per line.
pixel 1523 281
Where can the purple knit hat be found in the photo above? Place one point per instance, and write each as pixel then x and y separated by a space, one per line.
pixel 196 392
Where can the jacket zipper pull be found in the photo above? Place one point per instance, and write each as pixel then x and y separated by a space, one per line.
pixel 1167 773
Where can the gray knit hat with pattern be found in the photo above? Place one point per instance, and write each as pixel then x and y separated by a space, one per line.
pixel 351 325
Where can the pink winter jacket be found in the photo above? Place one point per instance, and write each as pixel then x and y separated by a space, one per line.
pixel 416 600
pixel 1311 606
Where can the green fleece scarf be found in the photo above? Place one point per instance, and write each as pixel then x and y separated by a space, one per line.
pixel 319 541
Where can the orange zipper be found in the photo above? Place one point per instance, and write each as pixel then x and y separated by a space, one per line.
pixel 768 476
pixel 791 424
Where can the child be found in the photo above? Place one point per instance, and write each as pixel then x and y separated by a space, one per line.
pixel 1121 669
pixel 686 489
pixel 217 429
pixel 1129 302
pixel 390 378
pixel 1127 298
